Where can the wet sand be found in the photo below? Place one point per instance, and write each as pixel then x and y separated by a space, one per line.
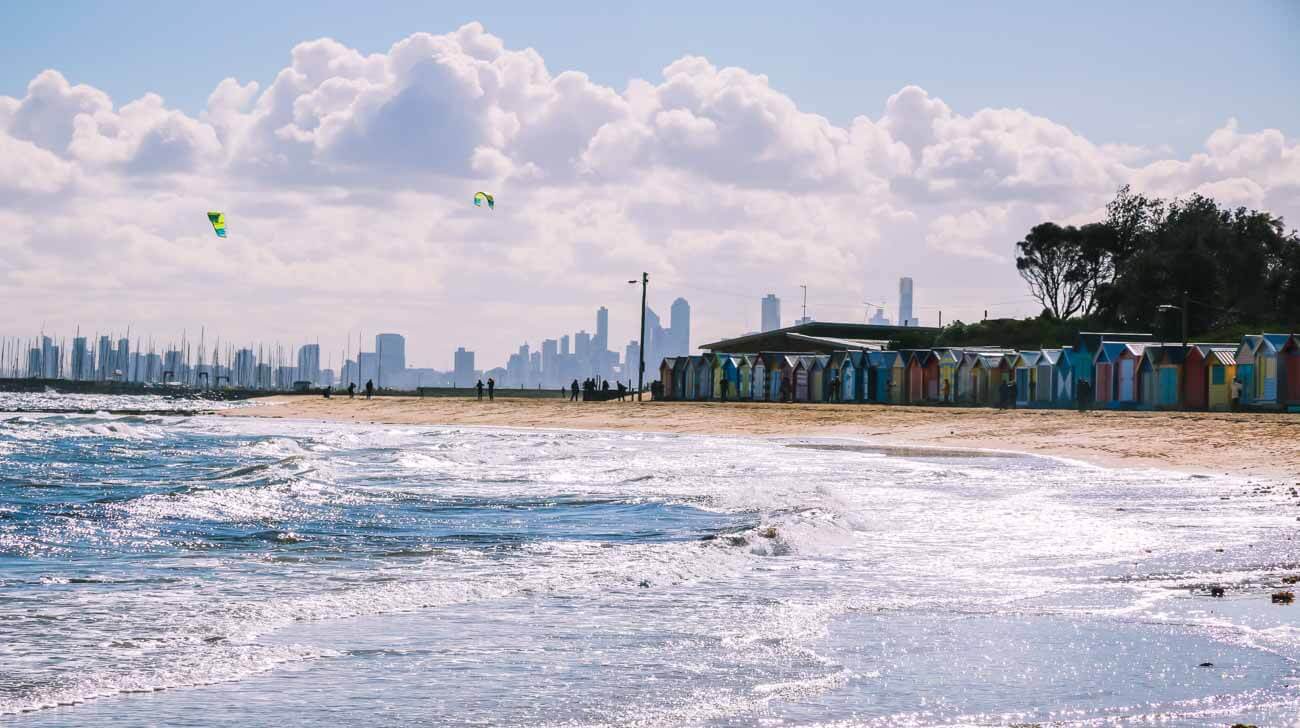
pixel 1263 445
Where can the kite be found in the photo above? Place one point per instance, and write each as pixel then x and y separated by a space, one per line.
pixel 479 197
pixel 218 220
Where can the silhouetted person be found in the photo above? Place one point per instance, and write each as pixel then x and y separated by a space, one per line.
pixel 1084 394
pixel 604 386
pixel 492 389
pixel 1236 394
pixel 325 392
pixel 479 387
pixel 785 390
pixel 947 390
pixel 574 389
pixel 621 391
pixel 835 389
pixel 370 388
pixel 352 390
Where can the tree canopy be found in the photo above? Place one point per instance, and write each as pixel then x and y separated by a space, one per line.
pixel 1233 267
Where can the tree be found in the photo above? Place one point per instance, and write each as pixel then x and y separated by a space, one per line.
pixel 1060 269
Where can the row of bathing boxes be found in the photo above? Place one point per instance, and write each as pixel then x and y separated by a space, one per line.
pixel 1125 371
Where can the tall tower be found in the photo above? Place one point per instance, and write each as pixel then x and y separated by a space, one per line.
pixel 905 302
pixel 771 312
pixel 463 374
pixel 309 363
pixel 680 326
pixel 601 341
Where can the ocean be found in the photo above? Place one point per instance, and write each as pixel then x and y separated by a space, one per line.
pixel 166 568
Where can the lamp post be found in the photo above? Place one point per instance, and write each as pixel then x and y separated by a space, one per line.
pixel 640 372
pixel 1182 309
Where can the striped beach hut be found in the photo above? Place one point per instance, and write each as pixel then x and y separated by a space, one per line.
pixel 666 379
pixel 1063 392
pixel 1208 372
pixel 745 373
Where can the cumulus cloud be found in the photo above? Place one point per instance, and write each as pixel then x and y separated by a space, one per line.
pixel 347 177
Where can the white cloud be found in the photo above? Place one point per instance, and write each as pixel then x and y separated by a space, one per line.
pixel 347 180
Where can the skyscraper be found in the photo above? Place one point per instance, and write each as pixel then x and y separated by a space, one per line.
pixel 771 313
pixel 601 341
pixel 564 345
pixel 631 359
pixel 80 359
pixel 582 348
pixel 391 349
pixel 680 326
pixel 309 363
pixel 463 374
pixel 550 361
pixel 244 369
pixel 905 302
pixel 123 359
pixel 104 359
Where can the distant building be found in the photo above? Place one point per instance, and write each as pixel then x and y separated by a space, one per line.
pixel 391 352
pixel 327 377
pixel 309 363
pixel 631 360
pixel 564 345
pixel 600 342
pixel 463 373
pixel 879 318
pixel 582 347
pixel 771 313
pixel 104 359
pixel 905 303
pixel 80 359
pixel 550 362
pixel 244 369
pixel 368 363
pixel 680 326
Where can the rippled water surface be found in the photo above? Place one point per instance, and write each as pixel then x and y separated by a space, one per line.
pixel 158 569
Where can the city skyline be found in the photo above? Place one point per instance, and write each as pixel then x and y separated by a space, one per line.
pixel 346 157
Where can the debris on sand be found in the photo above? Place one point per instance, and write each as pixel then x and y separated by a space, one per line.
pixel 1217 591
pixel 1206 664
pixel 769 532
pixel 1291 580
pixel 1283 597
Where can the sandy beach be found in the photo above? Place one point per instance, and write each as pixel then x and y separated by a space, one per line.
pixel 1263 445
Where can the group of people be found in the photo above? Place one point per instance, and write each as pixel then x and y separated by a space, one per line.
pixel 589 388
pixel 352 390
pixel 491 389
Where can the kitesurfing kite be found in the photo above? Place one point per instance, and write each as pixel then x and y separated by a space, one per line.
pixel 218 220
pixel 480 197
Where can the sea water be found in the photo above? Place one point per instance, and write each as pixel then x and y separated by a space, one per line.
pixel 158 569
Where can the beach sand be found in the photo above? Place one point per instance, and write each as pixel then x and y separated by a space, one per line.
pixel 1262 445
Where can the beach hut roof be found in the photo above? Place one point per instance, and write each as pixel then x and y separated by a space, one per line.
pixel 1273 343
pixel 1224 357
pixel 842 343
pixel 1028 359
pixel 1049 356
pixel 1108 351
pixel 1249 343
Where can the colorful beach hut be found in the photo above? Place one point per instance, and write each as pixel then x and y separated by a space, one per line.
pixel 745 372
pixel 948 360
pixel 666 379
pixel 1045 386
pixel 1289 377
pixel 1026 377
pixel 801 367
pixel 1269 371
pixel 967 391
pixel 1127 379
pixel 930 375
pixel 1063 392
pixel 680 367
pixel 1245 358
pixel 758 379
pixel 913 377
pixel 817 378
pixel 1168 361
pixel 888 373
pixel 1105 389
pixel 1208 372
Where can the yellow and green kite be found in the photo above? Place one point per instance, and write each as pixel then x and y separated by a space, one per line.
pixel 218 220
pixel 481 197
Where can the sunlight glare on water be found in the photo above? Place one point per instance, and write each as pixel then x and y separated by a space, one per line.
pixel 162 569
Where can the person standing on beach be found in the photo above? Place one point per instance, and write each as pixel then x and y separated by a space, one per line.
pixel 479 387
pixel 574 389
pixel 492 388
pixel 370 388
pixel 947 390
pixel 622 390
pixel 352 390
pixel 1236 394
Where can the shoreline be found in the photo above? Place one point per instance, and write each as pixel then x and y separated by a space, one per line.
pixel 1210 443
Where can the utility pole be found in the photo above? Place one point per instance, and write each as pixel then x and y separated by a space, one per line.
pixel 1184 318
pixel 640 374
pixel 805 303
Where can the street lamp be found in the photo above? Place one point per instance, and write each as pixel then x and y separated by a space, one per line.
pixel 640 374
pixel 1183 309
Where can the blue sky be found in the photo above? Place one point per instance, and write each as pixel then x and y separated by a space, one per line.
pixel 1150 73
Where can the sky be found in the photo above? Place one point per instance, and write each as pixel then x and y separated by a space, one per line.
pixel 730 150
